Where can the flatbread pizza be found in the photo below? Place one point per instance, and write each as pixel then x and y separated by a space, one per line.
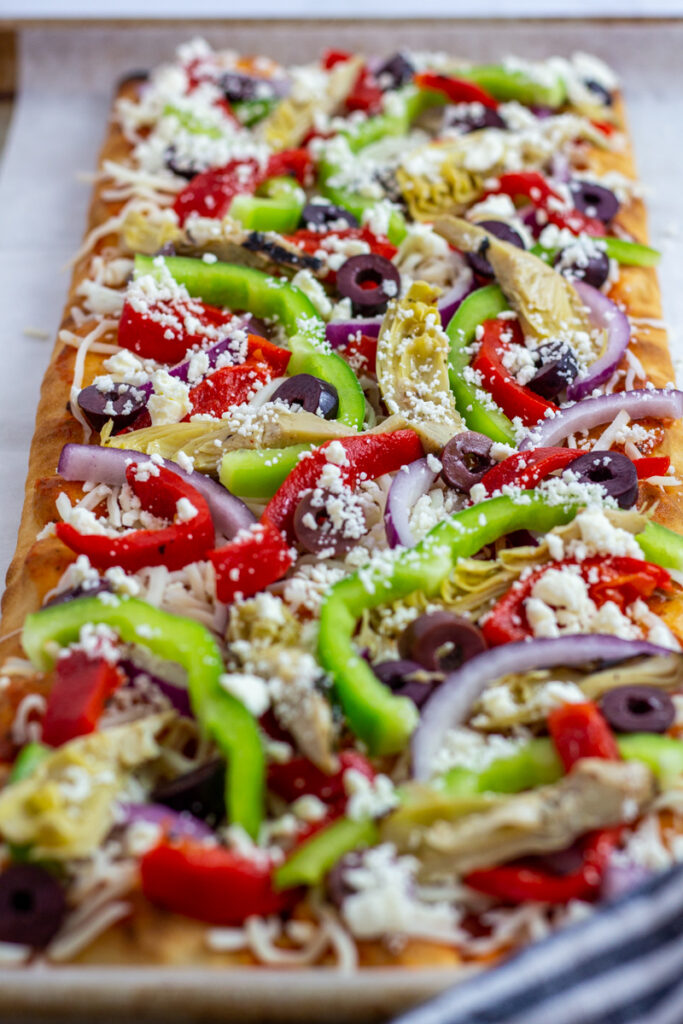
pixel 344 625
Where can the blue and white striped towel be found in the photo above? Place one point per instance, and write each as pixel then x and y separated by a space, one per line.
pixel 622 965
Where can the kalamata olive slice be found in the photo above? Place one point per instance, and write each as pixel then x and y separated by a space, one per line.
pixel 122 404
pixel 311 393
pixel 615 473
pixel 201 792
pixel 477 260
pixel 592 268
pixel 594 200
pixel 638 709
pixel 558 369
pixel 465 459
pixel 471 117
pixel 315 530
pixel 255 325
pixel 397 70
pixel 238 87
pixel 369 281
pixel 32 905
pixel 407 679
pixel 441 641
pixel 182 168
pixel 603 94
pixel 321 216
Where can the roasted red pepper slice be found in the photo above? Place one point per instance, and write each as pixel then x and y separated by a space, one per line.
pixel 652 465
pixel 580 730
pixel 518 883
pixel 168 329
pixel 360 352
pixel 367 457
pixel 526 469
pixel 311 241
pixel 211 192
pixel 513 398
pixel 533 186
pixel 331 57
pixel 231 385
pixel 251 561
pixel 365 93
pixel 174 546
pixel 300 776
pixel 457 90
pixel 211 883
pixel 619 578
pixel 79 692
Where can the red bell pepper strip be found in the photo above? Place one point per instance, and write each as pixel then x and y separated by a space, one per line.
pixel 211 883
pixel 533 186
pixel 168 329
pixel 174 546
pixel 619 579
pixel 247 564
pixel 300 776
pixel 367 457
pixel 652 465
pixel 79 692
pixel 456 89
pixel 210 193
pixel 578 731
pixel 312 241
pixel 365 93
pixel 332 57
pixel 513 398
pixel 526 469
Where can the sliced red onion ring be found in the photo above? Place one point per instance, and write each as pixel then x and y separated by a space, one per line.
pixel 338 333
pixel 660 403
pixel 108 466
pixel 407 487
pixel 178 695
pixel 177 824
pixel 604 314
pixel 450 704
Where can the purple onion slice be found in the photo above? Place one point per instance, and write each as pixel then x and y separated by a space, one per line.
pixel 177 824
pixel 603 313
pixel 407 487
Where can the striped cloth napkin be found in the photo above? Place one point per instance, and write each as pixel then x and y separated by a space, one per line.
pixel 623 965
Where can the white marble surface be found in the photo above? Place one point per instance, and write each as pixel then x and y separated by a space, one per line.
pixel 66 81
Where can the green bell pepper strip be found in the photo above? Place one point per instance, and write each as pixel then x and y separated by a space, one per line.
pixel 628 254
pixel 538 764
pixel 189 644
pixel 311 861
pixel 381 719
pixel 250 112
pixel 244 288
pixel 407 104
pixel 276 206
pixel 661 545
pixel 516 84
pixel 256 473
pixel 27 760
pixel 484 304
pixel 662 754
pixel 191 123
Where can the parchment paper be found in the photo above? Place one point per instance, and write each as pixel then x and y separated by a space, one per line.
pixel 66 78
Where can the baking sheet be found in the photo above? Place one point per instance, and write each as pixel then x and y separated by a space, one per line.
pixel 66 78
